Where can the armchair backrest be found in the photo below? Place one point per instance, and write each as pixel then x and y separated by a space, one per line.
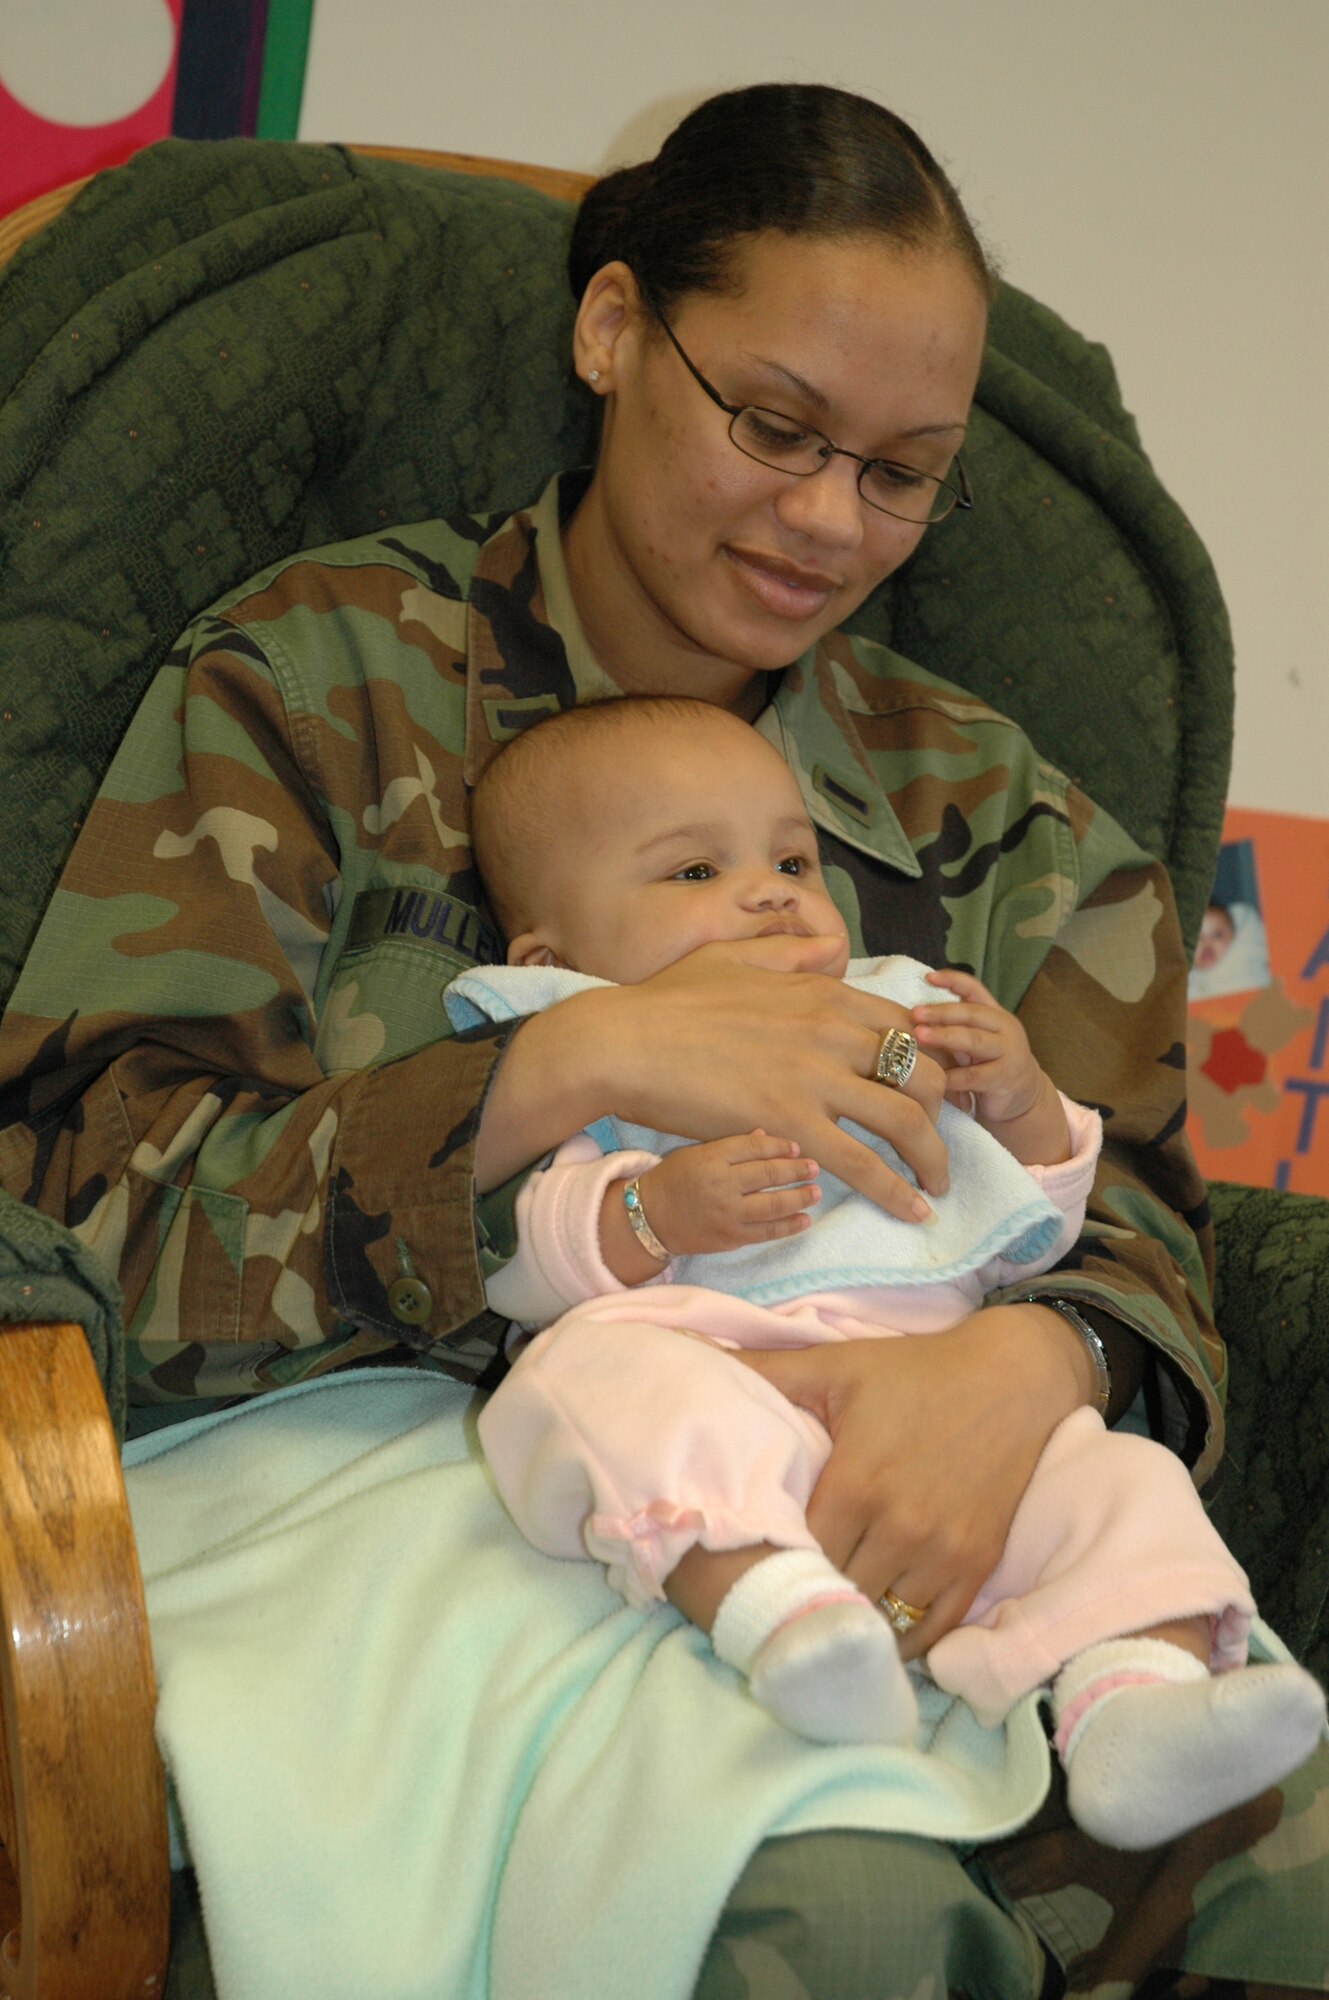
pixel 223 352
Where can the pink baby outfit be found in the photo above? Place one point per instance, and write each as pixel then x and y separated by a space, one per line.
pixel 627 1432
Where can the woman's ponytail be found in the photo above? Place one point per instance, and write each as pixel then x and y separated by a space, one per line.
pixel 803 159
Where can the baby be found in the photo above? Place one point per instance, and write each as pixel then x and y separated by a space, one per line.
pixel 613 840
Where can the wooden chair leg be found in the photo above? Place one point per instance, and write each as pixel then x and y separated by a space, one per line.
pixel 81 1796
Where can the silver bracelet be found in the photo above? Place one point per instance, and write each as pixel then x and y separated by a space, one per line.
pixel 641 1228
pixel 1097 1352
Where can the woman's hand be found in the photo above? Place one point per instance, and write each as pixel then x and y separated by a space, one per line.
pixel 731 1037
pixel 934 1437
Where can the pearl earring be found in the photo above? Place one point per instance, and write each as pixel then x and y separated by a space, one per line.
pixel 592 375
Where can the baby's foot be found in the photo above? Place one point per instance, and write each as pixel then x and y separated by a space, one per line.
pixel 1150 1755
pixel 817 1654
pixel 835 1674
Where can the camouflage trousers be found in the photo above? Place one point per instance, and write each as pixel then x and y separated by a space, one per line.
pixel 1241 1905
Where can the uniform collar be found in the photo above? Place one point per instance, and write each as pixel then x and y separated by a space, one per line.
pixel 526 652
pixel 816 722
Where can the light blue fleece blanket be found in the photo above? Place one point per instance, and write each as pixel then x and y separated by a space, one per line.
pixel 414 1759
pixel 992 1209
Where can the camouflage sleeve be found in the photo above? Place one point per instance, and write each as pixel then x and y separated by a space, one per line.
pixel 241 1140
pixel 1105 1014
pixel 950 837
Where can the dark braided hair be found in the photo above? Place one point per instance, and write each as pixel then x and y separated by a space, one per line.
pixel 802 158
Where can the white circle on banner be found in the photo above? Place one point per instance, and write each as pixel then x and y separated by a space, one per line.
pixel 85 62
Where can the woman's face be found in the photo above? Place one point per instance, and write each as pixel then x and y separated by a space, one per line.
pixel 690 547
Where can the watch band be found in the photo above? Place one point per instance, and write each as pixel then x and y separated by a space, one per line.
pixel 641 1228
pixel 1097 1352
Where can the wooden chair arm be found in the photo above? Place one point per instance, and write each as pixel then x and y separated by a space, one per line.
pixel 84 1882
pixel 84 1912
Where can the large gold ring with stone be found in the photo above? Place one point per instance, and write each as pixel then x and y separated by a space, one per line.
pixel 902 1616
pixel 896 1058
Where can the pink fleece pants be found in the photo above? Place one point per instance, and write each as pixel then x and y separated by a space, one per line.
pixel 625 1433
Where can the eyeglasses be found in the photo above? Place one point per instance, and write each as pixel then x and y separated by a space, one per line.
pixel 780 441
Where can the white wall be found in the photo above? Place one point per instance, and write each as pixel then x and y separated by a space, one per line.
pixel 1158 170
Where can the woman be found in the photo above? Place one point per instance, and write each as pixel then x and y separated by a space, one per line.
pixel 253 1114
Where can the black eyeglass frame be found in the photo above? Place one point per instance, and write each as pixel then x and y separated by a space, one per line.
pixel 962 497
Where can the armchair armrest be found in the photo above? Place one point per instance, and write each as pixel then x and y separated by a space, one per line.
pixel 1271 1301
pixel 84 1897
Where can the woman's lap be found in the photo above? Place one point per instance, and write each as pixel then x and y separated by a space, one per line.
pixel 866 1916
pixel 836 1916
pixel 1243 1900
pixel 1243 1903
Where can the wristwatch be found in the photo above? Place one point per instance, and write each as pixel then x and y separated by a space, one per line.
pixel 1097 1352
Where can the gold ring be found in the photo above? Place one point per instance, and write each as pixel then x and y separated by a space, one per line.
pixel 896 1058
pixel 902 1616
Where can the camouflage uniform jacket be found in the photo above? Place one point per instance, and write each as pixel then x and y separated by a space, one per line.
pixel 227 1063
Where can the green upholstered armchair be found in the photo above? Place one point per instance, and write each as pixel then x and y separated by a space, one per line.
pixel 222 353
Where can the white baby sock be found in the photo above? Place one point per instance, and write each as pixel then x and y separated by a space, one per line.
pixel 816 1652
pixel 1154 1744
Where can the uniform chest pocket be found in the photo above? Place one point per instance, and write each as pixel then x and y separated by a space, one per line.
pixel 403 946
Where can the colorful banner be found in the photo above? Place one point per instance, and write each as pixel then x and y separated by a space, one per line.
pixel 1258 1040
pixel 85 83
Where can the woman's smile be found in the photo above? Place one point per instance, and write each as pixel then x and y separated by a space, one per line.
pixel 781 586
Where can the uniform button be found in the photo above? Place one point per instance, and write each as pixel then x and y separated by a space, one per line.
pixel 411 1300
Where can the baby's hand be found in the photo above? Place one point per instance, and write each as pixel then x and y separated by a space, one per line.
pixel 716 1196
pixel 989 1048
pixel 719 1196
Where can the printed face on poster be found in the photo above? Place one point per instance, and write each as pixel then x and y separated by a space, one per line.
pixel 1259 1007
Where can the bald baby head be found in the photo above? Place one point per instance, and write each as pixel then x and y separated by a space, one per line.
pixel 617 837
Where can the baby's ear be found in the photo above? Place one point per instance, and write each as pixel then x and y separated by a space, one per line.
pixel 531 948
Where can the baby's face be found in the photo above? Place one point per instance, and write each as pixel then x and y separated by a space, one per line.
pixel 677 836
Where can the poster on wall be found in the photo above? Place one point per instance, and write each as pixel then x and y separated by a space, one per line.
pixel 1258 1038
pixel 85 83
